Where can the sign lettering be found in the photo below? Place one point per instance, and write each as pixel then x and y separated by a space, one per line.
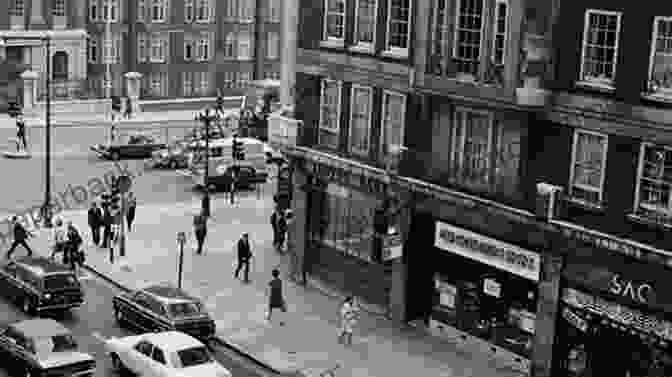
pixel 636 292
pixel 605 243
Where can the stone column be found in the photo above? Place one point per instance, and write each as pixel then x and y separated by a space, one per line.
pixel 29 79
pixel 36 16
pixel 288 48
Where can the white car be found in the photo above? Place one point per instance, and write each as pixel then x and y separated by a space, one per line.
pixel 163 354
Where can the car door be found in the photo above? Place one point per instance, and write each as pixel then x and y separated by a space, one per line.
pixel 133 309
pixel 139 359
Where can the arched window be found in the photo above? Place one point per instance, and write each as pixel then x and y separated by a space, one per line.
pixel 59 66
pixel 229 46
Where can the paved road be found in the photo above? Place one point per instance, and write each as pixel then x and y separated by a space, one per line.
pixel 93 322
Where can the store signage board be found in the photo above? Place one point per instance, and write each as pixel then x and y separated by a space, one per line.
pixel 574 319
pixel 501 255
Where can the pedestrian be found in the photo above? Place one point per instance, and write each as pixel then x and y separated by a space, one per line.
pixel 130 210
pixel 129 108
pixel 95 217
pixel 108 219
pixel 274 226
pixel 74 243
pixel 200 231
pixel 244 256
pixel 20 236
pixel 21 133
pixel 348 316
pixel 232 185
pixel 282 231
pixel 275 297
pixel 57 238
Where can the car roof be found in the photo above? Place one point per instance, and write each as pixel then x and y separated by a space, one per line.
pixel 167 292
pixel 39 327
pixel 172 340
pixel 42 265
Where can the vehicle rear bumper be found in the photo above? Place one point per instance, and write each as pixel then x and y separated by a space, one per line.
pixel 49 307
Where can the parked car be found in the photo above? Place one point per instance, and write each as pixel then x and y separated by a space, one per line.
pixel 174 157
pixel 43 347
pixel 247 177
pixel 136 146
pixel 163 354
pixel 39 284
pixel 163 307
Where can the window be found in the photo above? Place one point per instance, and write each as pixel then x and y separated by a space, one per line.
pixel 203 11
pixel 231 10
pixel 653 199
pixel 245 46
pixel 271 75
pixel 360 119
pixel 93 9
pixel 230 46
pixel 245 78
pixel 273 45
pixel 600 48
pixel 334 21
pixel 110 10
pixel 472 141
pixel 141 16
pixel 142 48
pixel 228 79
pixel 392 122
pixel 274 10
pixel 398 27
pixel 144 347
pixel 204 49
pixel 194 356
pixel 159 10
pixel 184 309
pixel 660 70
pixel 17 8
pixel 92 49
pixel 330 114
pixel 188 48
pixel 246 10
pixel 58 8
pixel 158 49
pixel 469 29
pixel 588 165
pixel 202 83
pixel 157 355
pixel 365 27
pixel 188 10
pixel 187 84
pixel 112 50
pixel 500 31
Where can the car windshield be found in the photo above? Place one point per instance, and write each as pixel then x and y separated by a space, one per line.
pixel 61 281
pixel 58 343
pixel 184 309
pixel 194 356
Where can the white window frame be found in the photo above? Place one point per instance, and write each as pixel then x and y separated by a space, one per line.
pixel 245 78
pixel 244 39
pixel 595 81
pixel 141 11
pixel 160 41
pixel 203 4
pixel 603 168
pixel 230 46
pixel 336 41
pixel 111 6
pixel 58 8
pixel 246 10
pixel 189 48
pixel 640 172
pixel 456 41
pixel 352 149
pixel 18 8
pixel 92 44
pixel 204 47
pixel 394 51
pixel 365 46
pixel 457 146
pixel 187 84
pixel 383 129
pixel 661 93
pixel 143 48
pixel 189 11
pixel 337 131
pixel 160 7
pixel 273 45
pixel 94 10
pixel 231 10
pixel 496 33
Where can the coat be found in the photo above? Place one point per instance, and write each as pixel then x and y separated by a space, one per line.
pixel 95 217
pixel 244 250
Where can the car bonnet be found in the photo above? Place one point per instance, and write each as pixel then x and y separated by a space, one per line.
pixel 57 359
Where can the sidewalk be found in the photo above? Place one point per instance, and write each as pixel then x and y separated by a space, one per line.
pixel 307 342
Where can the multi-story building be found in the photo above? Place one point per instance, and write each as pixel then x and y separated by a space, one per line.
pixel 26 27
pixel 184 48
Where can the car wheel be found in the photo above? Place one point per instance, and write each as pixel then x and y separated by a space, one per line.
pixel 27 306
pixel 115 156
pixel 117 364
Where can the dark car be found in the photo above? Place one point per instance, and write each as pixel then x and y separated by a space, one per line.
pixel 43 347
pixel 39 285
pixel 137 146
pixel 162 308
pixel 247 177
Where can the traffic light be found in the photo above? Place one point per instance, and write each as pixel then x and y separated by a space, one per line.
pixel 14 109
pixel 237 151
pixel 220 103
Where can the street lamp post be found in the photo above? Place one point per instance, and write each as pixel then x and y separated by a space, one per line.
pixel 46 212
pixel 207 118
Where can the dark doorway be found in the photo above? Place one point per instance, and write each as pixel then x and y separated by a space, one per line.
pixel 60 66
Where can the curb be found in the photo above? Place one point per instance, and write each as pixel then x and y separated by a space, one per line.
pixel 221 342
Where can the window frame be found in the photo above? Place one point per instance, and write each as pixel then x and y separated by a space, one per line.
pixel 143 56
pixel 93 9
pixel 111 9
pixel 208 11
pixel 456 40
pixel 58 8
pixel 189 16
pixel 638 184
pixel 365 46
pixel 141 11
pixel 326 38
pixel 274 11
pixel 273 45
pixel 246 10
pixel 369 120
pixel 92 44
pixel 457 154
pixel 247 38
pixel 664 94
pixel 161 40
pixel 572 168
pixel 339 105
pixel 188 48
pixel 495 33
pixel 230 46
pixel 394 51
pixel 204 48
pixel 383 134
pixel 595 82
pixel 161 6
pixel 187 78
pixel 17 11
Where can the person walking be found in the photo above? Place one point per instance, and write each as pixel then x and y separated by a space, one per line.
pixel 21 133
pixel 275 297
pixel 129 108
pixel 244 256
pixel 74 244
pixel 58 238
pixel 282 232
pixel 20 236
pixel 274 225
pixel 108 219
pixel 200 231
pixel 130 210
pixel 348 316
pixel 232 186
pixel 95 219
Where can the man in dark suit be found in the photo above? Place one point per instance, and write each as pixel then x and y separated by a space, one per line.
pixel 108 219
pixel 20 236
pixel 244 256
pixel 95 216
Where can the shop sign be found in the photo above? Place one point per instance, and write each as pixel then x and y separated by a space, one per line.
pixel 607 243
pixel 489 251
pixel 640 292
pixel 574 319
pixel 340 175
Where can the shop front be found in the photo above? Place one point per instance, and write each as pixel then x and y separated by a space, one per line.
pixel 485 293
pixel 615 318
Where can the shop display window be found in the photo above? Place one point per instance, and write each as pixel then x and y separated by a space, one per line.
pixel 493 305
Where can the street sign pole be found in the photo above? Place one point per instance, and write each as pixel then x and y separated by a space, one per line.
pixel 181 239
